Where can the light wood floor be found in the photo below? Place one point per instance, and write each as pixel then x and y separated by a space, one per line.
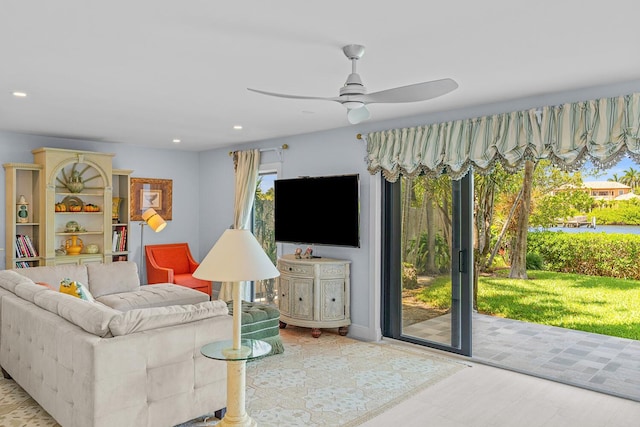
pixel 484 396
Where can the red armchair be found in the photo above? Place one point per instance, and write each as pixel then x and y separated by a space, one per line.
pixel 173 263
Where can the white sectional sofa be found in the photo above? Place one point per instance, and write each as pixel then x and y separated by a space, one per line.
pixel 132 358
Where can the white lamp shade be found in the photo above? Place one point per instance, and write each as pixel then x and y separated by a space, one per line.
pixel 154 220
pixel 236 257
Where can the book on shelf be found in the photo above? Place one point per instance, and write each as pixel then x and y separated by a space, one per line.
pixel 25 247
pixel 119 241
pixel 22 264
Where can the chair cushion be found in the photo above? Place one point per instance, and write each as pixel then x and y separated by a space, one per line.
pixel 174 257
pixel 191 282
pixel 158 295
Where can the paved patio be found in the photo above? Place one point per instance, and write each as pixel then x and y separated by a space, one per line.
pixel 597 362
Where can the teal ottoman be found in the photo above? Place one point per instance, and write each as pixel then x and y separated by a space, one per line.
pixel 260 322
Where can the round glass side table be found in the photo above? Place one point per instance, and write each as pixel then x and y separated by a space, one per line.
pixel 236 359
pixel 223 350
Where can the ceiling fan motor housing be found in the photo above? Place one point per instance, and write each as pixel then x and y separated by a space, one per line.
pixel 350 91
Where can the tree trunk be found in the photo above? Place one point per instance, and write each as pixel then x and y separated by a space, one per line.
pixel 483 217
pixel 519 249
pixel 431 235
pixel 504 229
pixel 406 209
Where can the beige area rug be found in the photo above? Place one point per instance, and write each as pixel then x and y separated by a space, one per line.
pixel 18 409
pixel 337 381
pixel 326 381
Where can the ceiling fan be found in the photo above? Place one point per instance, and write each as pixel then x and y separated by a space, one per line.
pixel 354 96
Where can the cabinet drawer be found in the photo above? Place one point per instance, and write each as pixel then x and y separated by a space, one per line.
pixel 333 270
pixel 295 268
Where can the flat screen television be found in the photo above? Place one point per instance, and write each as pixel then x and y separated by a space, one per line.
pixel 318 210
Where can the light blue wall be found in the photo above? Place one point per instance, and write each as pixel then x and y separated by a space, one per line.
pixel 180 166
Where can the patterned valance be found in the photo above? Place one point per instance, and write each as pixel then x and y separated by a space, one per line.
pixel 602 130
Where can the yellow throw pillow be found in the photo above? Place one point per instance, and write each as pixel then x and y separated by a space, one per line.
pixel 76 289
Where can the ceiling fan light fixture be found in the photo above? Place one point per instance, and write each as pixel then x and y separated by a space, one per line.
pixel 358 115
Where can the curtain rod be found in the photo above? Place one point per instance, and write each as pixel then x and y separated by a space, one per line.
pixel 262 150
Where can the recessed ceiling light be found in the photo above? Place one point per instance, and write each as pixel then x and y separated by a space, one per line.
pixel 19 94
pixel 176 141
pixel 237 127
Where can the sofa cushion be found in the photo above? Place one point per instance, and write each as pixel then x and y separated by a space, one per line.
pixel 9 279
pixel 76 289
pixel 53 275
pixel 112 278
pixel 93 318
pixel 46 285
pixel 157 317
pixel 28 290
pixel 158 295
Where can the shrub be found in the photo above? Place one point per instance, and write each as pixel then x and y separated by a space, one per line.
pixel 534 261
pixel 594 254
pixel 409 276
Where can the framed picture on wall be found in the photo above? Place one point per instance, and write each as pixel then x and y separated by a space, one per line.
pixel 150 193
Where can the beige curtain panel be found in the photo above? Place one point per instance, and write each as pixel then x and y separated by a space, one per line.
pixel 246 165
pixel 602 130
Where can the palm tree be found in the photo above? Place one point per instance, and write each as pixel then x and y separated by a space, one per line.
pixel 615 178
pixel 631 177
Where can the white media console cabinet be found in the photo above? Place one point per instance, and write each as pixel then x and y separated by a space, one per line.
pixel 314 293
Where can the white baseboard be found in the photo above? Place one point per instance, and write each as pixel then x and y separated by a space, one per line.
pixel 364 333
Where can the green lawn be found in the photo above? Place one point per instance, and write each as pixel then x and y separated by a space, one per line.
pixel 601 305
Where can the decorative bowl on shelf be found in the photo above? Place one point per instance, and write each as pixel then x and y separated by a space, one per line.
pixel 92 248
pixel 75 187
pixel 72 227
pixel 74 182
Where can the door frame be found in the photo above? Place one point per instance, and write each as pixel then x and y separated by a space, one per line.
pixel 461 265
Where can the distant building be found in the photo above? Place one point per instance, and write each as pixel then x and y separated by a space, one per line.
pixel 607 190
pixel 604 190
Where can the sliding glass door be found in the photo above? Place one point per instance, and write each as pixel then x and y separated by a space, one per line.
pixel 427 261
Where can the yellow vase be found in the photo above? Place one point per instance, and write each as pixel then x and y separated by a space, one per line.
pixel 73 245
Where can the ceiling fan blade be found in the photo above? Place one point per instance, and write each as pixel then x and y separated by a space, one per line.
pixel 412 93
pixel 358 115
pixel 282 95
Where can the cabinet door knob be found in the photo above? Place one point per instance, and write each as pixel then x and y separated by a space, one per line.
pixel 300 298
pixel 333 299
pixel 290 269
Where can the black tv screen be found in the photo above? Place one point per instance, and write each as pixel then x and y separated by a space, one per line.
pixel 318 210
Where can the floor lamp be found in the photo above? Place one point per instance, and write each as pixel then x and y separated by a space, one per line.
pixel 153 219
pixel 236 257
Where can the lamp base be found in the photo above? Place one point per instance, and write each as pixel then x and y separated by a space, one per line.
pixel 244 421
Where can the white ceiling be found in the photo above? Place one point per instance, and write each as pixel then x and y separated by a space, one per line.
pixel 148 71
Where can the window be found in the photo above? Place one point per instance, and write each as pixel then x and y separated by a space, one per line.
pixel 263 229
